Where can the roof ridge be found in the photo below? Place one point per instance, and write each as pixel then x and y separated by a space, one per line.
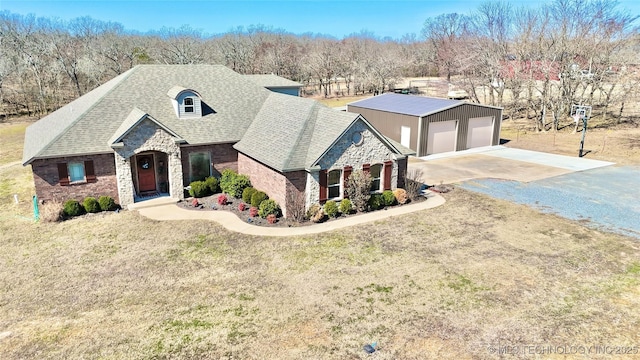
pixel 74 122
pixel 310 116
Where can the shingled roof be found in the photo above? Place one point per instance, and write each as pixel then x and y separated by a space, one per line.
pixel 272 81
pixel 282 131
pixel 85 125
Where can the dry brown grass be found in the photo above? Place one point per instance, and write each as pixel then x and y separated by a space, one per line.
pixel 444 283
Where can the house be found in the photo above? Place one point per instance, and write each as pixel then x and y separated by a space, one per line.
pixel 431 125
pixel 156 128
pixel 277 84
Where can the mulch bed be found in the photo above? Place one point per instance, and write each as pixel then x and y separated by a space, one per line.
pixel 210 203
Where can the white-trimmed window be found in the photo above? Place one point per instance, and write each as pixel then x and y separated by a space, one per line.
pixel 188 105
pixel 333 183
pixel 376 175
pixel 199 165
pixel 76 172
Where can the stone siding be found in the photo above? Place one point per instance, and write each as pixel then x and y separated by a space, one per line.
pixel 47 181
pixel 283 188
pixel 371 151
pixel 147 136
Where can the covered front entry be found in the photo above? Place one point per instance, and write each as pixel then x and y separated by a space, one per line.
pixel 150 174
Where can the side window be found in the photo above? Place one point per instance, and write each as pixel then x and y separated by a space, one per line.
pixel 333 183
pixel 375 171
pixel 188 105
pixel 199 166
pixel 76 172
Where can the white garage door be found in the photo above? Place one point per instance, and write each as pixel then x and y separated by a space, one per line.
pixel 480 132
pixel 442 137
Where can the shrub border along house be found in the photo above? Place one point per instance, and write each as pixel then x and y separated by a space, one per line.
pixel 155 128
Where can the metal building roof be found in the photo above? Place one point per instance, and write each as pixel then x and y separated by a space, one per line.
pixel 407 104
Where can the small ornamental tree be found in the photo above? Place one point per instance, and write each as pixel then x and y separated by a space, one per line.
pixel 357 189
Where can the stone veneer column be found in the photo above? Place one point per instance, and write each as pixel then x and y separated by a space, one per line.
pixel 147 136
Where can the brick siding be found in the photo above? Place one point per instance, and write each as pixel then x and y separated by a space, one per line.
pixel 223 156
pixel 274 183
pixel 47 182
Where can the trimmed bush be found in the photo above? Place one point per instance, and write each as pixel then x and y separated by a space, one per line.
pixel 91 205
pixel 345 206
pixel 331 209
pixel 247 193
pixel 253 211
pixel 222 199
pixel 376 202
pixel 195 203
pixel 388 198
pixel 51 211
pixel 400 195
pixel 242 206
pixel 313 210
pixel 106 203
pixel 72 208
pixel 268 207
pixel 199 189
pixel 258 197
pixel 271 219
pixel 213 184
pixel 233 183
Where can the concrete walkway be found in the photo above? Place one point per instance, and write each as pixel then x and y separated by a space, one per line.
pixel 231 222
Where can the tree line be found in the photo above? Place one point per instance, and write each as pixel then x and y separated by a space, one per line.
pixel 535 62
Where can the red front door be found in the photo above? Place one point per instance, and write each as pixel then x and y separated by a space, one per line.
pixel 146 174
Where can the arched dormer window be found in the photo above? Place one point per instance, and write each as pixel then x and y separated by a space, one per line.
pixel 186 102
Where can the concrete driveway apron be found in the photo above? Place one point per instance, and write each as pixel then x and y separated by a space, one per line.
pixel 602 195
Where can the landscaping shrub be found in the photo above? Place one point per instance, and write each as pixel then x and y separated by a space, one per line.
pixel 271 219
pixel 388 198
pixel 106 203
pixel 212 184
pixel 233 183
pixel 258 197
pixel 195 203
pixel 91 205
pixel 51 211
pixel 247 193
pixel 345 206
pixel 331 209
pixel 413 183
pixel 222 199
pixel 376 202
pixel 268 207
pixel 253 211
pixel 357 189
pixel 319 216
pixel 400 195
pixel 199 189
pixel 72 208
pixel 242 206
pixel 313 210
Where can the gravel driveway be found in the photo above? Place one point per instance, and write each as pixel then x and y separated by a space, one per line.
pixel 608 197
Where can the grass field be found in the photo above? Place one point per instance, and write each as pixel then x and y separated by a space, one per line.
pixel 461 281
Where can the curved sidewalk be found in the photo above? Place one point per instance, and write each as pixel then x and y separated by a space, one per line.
pixel 233 223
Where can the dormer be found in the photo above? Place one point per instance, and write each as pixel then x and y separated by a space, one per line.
pixel 187 103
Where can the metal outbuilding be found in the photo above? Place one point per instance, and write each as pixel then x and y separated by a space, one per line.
pixel 431 125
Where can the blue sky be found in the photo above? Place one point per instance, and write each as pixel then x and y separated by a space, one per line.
pixel 337 18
